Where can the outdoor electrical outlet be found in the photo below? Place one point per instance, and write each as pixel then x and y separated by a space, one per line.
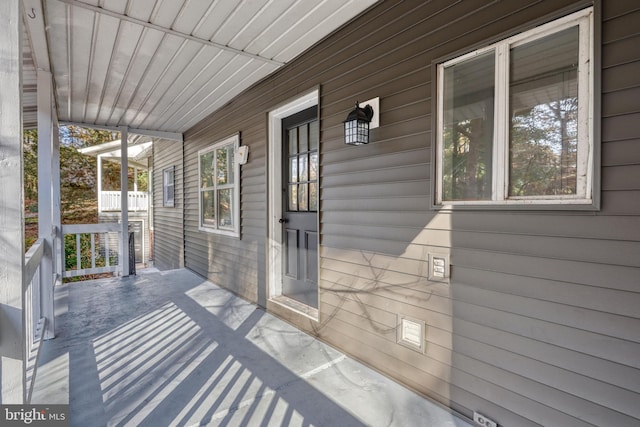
pixel 483 421
pixel 438 267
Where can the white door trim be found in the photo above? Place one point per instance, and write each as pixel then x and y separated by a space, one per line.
pixel 274 230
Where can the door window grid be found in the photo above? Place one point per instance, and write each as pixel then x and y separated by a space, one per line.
pixel 302 176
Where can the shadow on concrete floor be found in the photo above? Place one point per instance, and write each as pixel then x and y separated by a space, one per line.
pixel 170 348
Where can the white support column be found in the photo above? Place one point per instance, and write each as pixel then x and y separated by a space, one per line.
pixel 124 201
pixel 57 207
pixel 12 333
pixel 45 197
pixel 99 162
pixel 135 178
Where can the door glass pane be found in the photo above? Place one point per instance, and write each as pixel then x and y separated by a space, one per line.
pixel 303 172
pixel 303 204
pixel 293 197
pixel 208 208
pixel 293 141
pixel 313 135
pixel 303 135
pixel 313 196
pixel 206 170
pixel 544 116
pixel 467 138
pixel 293 169
pixel 313 165
pixel 225 203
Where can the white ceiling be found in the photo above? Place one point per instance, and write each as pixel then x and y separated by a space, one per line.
pixel 164 65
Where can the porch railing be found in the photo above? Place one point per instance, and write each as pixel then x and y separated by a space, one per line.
pixel 33 320
pixel 95 249
pixel 110 201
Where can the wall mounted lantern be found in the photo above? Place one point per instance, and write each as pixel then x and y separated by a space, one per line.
pixel 356 126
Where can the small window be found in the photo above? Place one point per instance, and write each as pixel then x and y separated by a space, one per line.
pixel 219 188
pixel 168 187
pixel 515 119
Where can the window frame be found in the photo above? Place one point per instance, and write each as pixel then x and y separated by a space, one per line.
pixel 234 231
pixel 166 202
pixel 585 197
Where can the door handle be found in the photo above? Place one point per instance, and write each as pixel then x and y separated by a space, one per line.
pixel 283 220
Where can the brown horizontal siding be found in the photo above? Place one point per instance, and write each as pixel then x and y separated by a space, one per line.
pixel 168 222
pixel 539 323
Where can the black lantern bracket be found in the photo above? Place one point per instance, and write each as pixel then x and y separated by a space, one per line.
pixel 374 103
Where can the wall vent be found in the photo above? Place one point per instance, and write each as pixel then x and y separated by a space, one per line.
pixel 411 333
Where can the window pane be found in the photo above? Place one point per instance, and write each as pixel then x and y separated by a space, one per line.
pixel 303 172
pixel 468 129
pixel 313 196
pixel 208 208
pixel 313 135
pixel 225 208
pixel 303 135
pixel 293 169
pixel 313 166
pixel 170 195
pixel 293 197
pixel 544 116
pixel 206 170
pixel 303 204
pixel 293 141
pixel 224 162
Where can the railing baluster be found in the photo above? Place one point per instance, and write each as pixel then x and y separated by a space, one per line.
pixel 106 247
pixel 93 250
pixel 78 252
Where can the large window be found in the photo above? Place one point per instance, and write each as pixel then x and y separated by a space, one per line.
pixel 219 187
pixel 168 187
pixel 515 119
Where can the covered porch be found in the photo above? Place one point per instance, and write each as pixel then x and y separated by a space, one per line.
pixel 171 348
pixel 64 62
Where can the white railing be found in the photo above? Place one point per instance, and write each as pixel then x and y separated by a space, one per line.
pixel 33 320
pixel 96 249
pixel 137 200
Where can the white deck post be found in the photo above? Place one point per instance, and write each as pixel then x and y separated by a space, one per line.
pixel 99 162
pixel 12 333
pixel 57 208
pixel 45 196
pixel 124 201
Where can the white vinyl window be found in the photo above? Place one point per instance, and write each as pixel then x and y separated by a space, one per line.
pixel 168 187
pixel 219 191
pixel 515 119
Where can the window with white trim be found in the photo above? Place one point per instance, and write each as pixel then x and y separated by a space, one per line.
pixel 168 187
pixel 219 187
pixel 515 119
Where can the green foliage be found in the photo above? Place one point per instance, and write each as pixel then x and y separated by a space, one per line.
pixel 30 165
pixel 79 137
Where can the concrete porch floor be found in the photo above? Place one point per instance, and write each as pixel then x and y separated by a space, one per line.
pixel 171 348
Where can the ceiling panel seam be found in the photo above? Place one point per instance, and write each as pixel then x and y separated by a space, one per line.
pixel 125 17
pixel 152 90
pixel 156 105
pixel 123 81
pixel 198 91
pixel 105 84
pixel 94 36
